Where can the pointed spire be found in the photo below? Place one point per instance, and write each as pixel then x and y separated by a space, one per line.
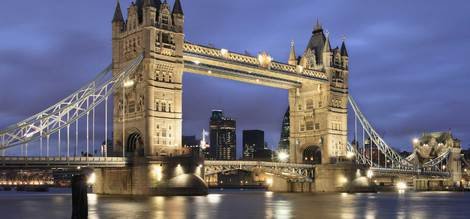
pixel 344 51
pixel 118 13
pixel 327 46
pixel 292 56
pixel 318 27
pixel 177 9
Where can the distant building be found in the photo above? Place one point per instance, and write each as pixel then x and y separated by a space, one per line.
pixel 254 146
pixel 193 145
pixel 285 132
pixel 236 178
pixel 222 137
pixel 190 141
pixel 264 154
pixel 253 140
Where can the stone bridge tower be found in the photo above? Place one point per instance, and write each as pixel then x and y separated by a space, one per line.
pixel 318 111
pixel 152 104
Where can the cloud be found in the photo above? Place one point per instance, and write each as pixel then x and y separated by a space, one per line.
pixel 409 67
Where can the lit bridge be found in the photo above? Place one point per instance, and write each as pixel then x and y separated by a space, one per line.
pixel 291 171
pixel 60 123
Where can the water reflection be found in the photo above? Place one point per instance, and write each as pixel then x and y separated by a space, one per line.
pixel 282 209
pixel 243 204
pixel 214 198
pixel 92 206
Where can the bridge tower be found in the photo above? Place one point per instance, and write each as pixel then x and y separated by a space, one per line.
pixel 150 104
pixel 147 122
pixel 318 111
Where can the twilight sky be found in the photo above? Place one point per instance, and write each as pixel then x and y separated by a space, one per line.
pixel 409 66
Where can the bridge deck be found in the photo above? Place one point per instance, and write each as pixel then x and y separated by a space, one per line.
pixel 61 162
pixel 230 65
pixel 396 172
pixel 255 163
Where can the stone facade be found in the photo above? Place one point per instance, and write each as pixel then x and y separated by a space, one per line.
pixel 318 111
pixel 317 83
pixel 152 99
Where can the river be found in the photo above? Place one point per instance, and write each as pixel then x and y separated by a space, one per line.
pixel 242 204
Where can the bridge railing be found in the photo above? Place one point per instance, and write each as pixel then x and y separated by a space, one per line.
pixel 61 162
pixel 256 163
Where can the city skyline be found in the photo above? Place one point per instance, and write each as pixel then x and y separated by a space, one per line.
pixel 54 50
pixel 365 101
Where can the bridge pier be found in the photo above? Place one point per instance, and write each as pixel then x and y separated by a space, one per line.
pixel 344 177
pixel 341 177
pixel 279 184
pixel 144 176
pixel 434 184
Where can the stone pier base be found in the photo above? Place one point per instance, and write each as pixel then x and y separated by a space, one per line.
pixel 433 184
pixel 280 184
pixel 345 177
pixel 177 176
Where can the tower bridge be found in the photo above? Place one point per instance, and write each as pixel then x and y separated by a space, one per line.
pixel 150 55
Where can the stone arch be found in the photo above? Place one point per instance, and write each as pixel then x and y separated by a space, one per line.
pixel 312 155
pixel 135 144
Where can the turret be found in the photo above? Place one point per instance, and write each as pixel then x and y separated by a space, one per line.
pixel 344 55
pixel 308 61
pixel 149 12
pixel 317 42
pixel 118 26
pixel 178 16
pixel 164 16
pixel 292 57
pixel 327 54
pixel 118 20
pixel 132 17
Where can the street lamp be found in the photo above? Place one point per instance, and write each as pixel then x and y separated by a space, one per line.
pixel 283 156
pixel 401 186
pixel 370 174
pixel 91 179
pixel 350 155
pixel 129 83
pixel 415 140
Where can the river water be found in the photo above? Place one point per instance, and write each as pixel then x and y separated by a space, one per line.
pixel 243 204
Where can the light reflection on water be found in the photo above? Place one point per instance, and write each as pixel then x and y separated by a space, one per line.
pixel 243 204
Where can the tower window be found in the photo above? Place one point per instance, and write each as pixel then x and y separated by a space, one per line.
pixel 302 127
pixel 164 133
pixel 309 104
pixel 309 125
pixel 165 19
pixel 166 38
pixel 131 106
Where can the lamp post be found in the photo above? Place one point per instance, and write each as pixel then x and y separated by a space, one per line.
pixel 282 156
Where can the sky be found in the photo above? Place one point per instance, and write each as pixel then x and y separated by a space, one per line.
pixel 409 66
